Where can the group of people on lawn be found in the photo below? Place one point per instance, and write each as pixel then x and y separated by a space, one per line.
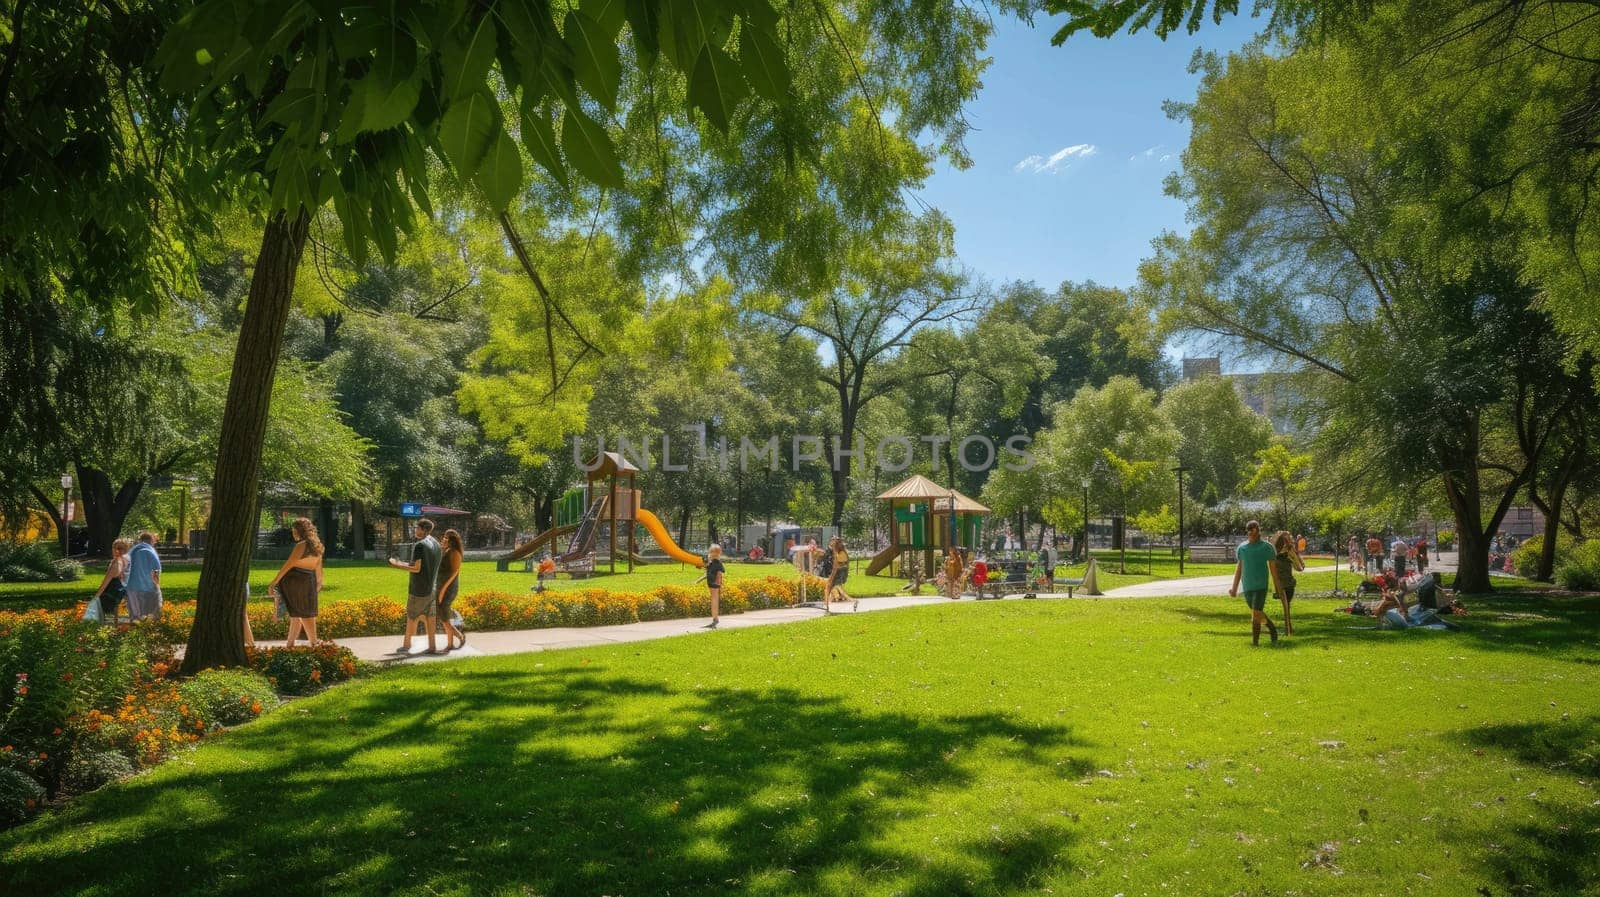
pixel 1271 566
pixel 1369 557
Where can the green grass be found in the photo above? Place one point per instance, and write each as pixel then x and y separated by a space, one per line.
pixel 1135 747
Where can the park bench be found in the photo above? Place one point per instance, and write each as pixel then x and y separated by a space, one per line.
pixel 1071 584
pixel 1210 554
pixel 172 552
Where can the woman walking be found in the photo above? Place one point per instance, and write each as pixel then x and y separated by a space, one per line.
pixel 114 586
pixel 841 571
pixel 449 586
pixel 1354 551
pixel 1288 561
pixel 952 573
pixel 299 581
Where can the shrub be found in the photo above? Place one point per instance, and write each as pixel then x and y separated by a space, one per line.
pixel 1525 557
pixel 35 562
pixel 228 697
pixel 1581 570
pixel 20 797
pixel 91 769
pixel 1446 538
pixel 304 670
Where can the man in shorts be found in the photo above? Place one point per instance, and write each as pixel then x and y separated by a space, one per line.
pixel 422 601
pixel 1401 551
pixel 144 579
pixel 1255 573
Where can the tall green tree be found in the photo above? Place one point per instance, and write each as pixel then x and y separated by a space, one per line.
pixel 1325 239
pixel 1217 435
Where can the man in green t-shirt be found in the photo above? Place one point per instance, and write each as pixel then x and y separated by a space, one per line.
pixel 1256 574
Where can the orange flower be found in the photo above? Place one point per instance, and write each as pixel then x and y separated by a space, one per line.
pixel 22 689
pixel 256 708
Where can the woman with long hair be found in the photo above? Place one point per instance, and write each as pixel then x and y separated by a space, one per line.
pixel 449 587
pixel 299 581
pixel 1288 561
pixel 840 573
pixel 114 587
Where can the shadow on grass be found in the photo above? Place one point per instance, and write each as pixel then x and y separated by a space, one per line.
pixel 1555 851
pixel 552 783
pixel 1519 622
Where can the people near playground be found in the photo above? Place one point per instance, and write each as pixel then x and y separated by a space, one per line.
pixel 840 572
pixel 114 585
pixel 422 604
pixel 1374 554
pixel 1255 573
pixel 299 581
pixel 1353 552
pixel 144 579
pixel 1400 551
pixel 1287 562
pixel 713 577
pixel 952 573
pixel 547 572
pixel 452 553
pixel 980 573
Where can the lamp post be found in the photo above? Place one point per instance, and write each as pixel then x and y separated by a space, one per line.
pixel 66 512
pixel 1083 548
pixel 1180 470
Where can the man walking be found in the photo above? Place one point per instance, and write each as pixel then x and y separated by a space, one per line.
pixel 144 579
pixel 1401 550
pixel 1256 573
pixel 422 599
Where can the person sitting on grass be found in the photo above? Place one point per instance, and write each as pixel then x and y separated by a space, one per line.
pixel 422 605
pixel 1257 573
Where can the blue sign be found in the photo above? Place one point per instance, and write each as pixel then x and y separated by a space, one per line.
pixel 411 509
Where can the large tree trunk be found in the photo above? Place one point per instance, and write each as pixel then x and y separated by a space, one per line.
pixel 358 529
pixel 1551 509
pixel 217 638
pixel 1472 541
pixel 104 510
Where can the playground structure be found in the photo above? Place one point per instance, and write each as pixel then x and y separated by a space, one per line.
pixel 587 512
pixel 922 513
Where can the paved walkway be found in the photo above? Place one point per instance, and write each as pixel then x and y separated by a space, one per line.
pixel 483 644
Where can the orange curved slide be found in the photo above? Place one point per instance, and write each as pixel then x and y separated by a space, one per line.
pixel 659 533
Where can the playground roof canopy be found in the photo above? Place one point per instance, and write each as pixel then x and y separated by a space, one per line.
pixel 919 488
pixel 608 464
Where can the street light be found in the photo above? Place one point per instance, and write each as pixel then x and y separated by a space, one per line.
pixel 1084 545
pixel 1180 470
pixel 66 512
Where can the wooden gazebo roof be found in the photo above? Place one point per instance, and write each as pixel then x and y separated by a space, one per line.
pixel 919 488
pixel 610 464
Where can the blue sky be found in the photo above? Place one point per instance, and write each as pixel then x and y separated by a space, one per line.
pixel 1069 148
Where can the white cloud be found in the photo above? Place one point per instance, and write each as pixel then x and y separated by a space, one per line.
pixel 1151 153
pixel 1058 161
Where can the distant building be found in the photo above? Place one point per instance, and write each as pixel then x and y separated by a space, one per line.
pixel 1195 368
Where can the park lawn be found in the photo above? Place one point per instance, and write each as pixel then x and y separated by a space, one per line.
pixel 345 580
pixel 1135 747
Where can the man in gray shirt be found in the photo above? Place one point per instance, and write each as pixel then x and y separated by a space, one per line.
pixel 421 599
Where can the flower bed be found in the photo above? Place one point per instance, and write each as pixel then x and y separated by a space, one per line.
pixel 82 704
pixel 492 610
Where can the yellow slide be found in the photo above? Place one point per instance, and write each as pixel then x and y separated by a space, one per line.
pixel 659 533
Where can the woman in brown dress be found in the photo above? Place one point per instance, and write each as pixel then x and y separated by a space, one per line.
pixel 449 586
pixel 299 580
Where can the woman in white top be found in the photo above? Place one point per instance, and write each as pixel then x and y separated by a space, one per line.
pixel 114 585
